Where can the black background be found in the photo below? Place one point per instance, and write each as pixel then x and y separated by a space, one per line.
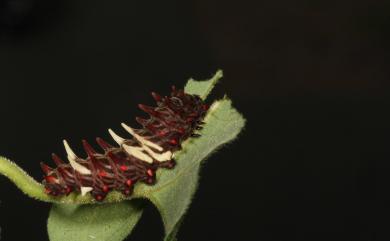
pixel 311 77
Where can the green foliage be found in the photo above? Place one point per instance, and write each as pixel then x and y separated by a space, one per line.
pixel 110 221
pixel 22 180
pixel 202 88
pixel 172 194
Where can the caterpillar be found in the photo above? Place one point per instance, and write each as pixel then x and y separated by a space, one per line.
pixel 174 119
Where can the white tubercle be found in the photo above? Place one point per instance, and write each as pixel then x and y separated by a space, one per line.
pixel 85 190
pixel 140 138
pixel 72 161
pixel 161 157
pixel 138 153
pixel 69 151
pixel 116 138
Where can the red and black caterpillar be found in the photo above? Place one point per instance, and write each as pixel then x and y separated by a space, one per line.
pixel 173 120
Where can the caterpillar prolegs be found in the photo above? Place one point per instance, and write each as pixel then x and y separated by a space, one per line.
pixel 173 120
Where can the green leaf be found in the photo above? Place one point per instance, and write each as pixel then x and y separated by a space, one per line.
pixel 171 195
pixel 93 222
pixel 22 180
pixel 202 88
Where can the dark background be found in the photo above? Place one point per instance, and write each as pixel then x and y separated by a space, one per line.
pixel 311 77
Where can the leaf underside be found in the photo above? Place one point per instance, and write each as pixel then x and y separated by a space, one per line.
pixel 110 221
pixel 71 219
